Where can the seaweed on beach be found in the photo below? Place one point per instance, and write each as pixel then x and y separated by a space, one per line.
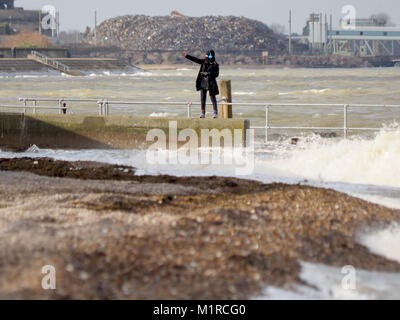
pixel 164 237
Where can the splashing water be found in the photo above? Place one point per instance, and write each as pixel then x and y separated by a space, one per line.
pixel 328 281
pixel 358 161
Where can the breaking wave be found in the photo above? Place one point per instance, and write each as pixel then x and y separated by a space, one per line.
pixel 244 93
pixel 326 284
pixel 360 161
pixel 327 92
pixel 311 91
pixel 29 74
pixel 127 72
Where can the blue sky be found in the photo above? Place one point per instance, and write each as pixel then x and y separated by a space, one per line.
pixel 76 15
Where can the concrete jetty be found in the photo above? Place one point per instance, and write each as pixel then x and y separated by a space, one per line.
pixel 20 131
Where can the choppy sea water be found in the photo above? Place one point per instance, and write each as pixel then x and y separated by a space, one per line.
pixel 365 166
pixel 360 86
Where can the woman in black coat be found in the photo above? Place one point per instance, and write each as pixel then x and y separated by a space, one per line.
pixel 206 80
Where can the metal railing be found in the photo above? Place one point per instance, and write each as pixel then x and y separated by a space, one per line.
pixel 346 107
pixel 25 108
pixel 35 107
pixel 49 61
pixel 103 106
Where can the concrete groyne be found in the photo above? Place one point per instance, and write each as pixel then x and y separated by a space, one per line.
pixel 20 131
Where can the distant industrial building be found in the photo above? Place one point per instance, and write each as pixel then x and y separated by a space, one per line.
pixel 365 38
pixel 18 18
pixel 14 18
pixel 360 37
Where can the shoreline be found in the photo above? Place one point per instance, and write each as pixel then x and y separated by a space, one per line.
pixel 154 67
pixel 150 67
pixel 114 235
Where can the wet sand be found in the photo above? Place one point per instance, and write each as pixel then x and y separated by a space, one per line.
pixel 113 235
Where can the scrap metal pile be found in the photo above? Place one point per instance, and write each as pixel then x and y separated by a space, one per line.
pixel 170 33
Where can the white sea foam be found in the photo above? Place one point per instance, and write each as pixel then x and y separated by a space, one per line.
pixel 389 202
pixel 244 93
pixel 325 92
pixel 358 161
pixel 87 73
pixel 162 114
pixel 385 242
pixel 128 72
pixel 310 91
pixel 328 281
pixel 29 74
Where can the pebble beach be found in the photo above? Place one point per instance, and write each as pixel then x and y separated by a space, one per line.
pixel 112 234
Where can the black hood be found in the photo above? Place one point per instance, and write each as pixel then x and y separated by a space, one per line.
pixel 211 56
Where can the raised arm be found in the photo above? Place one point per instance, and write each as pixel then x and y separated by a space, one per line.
pixel 194 59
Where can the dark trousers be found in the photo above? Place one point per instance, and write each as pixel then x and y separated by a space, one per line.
pixel 203 94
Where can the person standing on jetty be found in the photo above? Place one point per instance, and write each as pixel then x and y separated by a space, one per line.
pixel 206 80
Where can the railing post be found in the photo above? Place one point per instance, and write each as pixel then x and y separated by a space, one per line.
pixel 189 109
pixel 60 101
pixel 24 105
pixel 106 108
pixel 345 109
pixel 100 103
pixel 34 106
pixel 267 122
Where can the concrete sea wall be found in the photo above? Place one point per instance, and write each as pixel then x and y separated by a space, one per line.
pixel 24 52
pixel 19 131
pixel 22 65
